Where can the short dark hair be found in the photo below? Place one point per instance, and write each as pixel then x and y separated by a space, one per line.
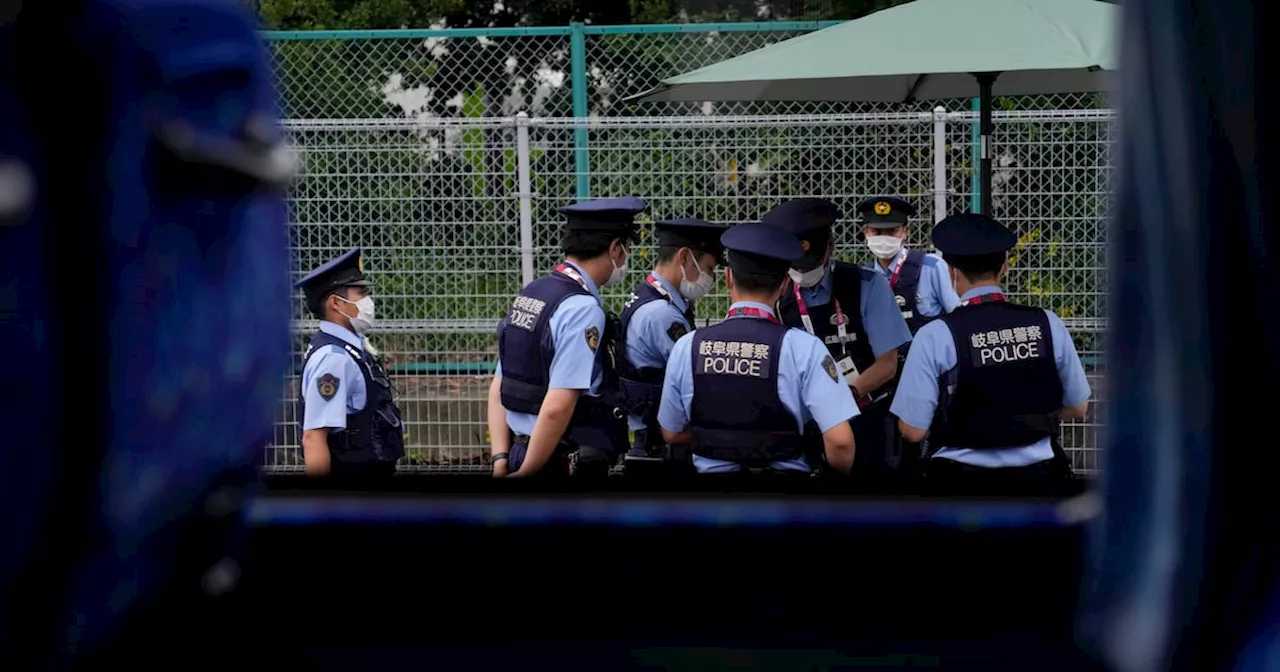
pixel 976 266
pixel 668 252
pixel 758 282
pixel 317 308
pixel 591 244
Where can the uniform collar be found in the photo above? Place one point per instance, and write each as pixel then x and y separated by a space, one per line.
pixel 677 299
pixel 981 291
pixel 821 292
pixel 893 263
pixel 338 331
pixel 590 284
pixel 753 304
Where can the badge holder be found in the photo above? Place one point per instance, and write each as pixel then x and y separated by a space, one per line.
pixel 848 369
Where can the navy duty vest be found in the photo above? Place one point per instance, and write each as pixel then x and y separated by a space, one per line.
pixel 641 387
pixel 736 413
pixel 907 292
pixel 376 432
pixel 1004 391
pixel 526 348
pixel 846 285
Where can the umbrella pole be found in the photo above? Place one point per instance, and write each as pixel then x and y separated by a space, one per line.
pixel 986 128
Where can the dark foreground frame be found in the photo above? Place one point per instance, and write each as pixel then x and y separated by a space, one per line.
pixel 470 573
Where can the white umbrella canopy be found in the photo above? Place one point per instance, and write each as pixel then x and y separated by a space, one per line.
pixel 924 50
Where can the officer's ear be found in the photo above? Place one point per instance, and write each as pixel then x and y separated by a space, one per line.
pixel 688 257
pixel 728 278
pixel 1004 268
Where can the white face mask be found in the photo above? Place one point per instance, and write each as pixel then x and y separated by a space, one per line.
pixel 362 323
pixel 619 272
pixel 697 289
pixel 810 278
pixel 884 247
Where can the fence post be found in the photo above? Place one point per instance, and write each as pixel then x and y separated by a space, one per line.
pixel 524 180
pixel 939 163
pixel 975 160
pixel 578 73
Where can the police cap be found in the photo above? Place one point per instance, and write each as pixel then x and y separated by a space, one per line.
pixel 761 248
pixel 884 212
pixel 695 233
pixel 972 235
pixel 345 271
pixel 810 221
pixel 604 214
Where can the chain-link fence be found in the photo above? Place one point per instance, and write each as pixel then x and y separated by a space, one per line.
pixel 577 70
pixel 455 214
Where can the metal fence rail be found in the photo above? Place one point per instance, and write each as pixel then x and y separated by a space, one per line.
pixel 455 214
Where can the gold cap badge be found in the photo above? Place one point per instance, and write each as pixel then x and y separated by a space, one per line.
pixel 804 244
pixel 882 208
pixel 360 263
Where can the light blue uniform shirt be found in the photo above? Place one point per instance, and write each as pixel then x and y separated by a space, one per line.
pixel 935 294
pixel 648 341
pixel 933 353
pixel 333 360
pixel 573 365
pixel 881 317
pixel 804 387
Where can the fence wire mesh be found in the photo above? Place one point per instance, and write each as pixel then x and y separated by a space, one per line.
pixel 435 204
pixel 424 74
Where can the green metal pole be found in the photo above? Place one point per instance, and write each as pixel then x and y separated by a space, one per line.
pixel 578 71
pixel 975 162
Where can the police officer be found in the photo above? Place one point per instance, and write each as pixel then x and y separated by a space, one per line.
pixel 921 283
pixel 554 355
pixel 351 426
pixel 852 310
pixel 656 315
pixel 991 381
pixel 741 392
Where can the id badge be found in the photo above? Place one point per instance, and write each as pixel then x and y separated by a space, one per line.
pixel 848 369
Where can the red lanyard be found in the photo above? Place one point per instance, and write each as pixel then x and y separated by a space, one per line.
pixel 653 282
pixel 993 297
pixel 748 311
pixel 808 322
pixel 572 273
pixel 893 279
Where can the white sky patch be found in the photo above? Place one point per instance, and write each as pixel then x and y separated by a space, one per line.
pixel 436 45
pixel 411 101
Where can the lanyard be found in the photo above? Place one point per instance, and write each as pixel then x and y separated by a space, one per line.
pixel 994 297
pixel 893 279
pixel 688 310
pixel 653 282
pixel 808 322
pixel 748 311
pixel 571 273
